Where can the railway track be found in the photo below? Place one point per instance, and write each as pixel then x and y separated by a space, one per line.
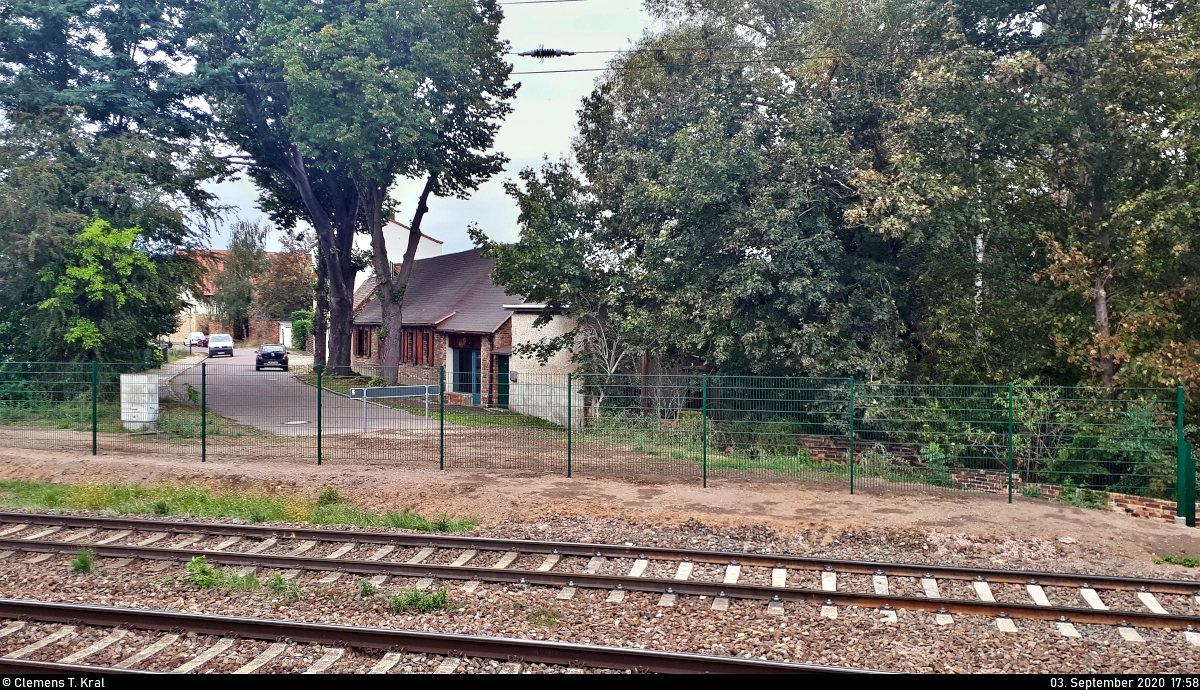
pixel 1005 595
pixel 221 635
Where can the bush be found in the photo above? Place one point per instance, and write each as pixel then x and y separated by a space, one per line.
pixel 302 326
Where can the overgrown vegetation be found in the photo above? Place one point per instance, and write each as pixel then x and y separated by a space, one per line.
pixel 413 599
pixel 366 588
pixel 327 508
pixel 83 561
pixel 543 617
pixel 1182 559
pixel 205 576
pixel 1083 498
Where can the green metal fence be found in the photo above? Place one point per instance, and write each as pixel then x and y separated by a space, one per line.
pixel 1075 445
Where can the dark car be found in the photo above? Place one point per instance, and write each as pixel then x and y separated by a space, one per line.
pixel 220 344
pixel 271 356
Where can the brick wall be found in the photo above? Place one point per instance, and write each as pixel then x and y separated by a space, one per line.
pixel 993 482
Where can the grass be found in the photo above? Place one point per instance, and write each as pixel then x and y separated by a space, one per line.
pixel 460 415
pixel 1184 560
pixel 83 562
pixel 366 588
pixel 286 590
pixel 416 600
pixel 543 617
pixel 205 576
pixel 174 419
pixel 175 354
pixel 327 508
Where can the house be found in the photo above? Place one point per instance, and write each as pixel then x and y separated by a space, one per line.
pixel 454 316
pixel 199 314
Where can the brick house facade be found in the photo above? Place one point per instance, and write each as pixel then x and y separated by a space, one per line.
pixel 454 317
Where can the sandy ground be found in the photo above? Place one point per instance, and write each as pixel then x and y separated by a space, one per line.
pixel 494 497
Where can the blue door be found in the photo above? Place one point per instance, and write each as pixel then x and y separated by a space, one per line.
pixel 466 373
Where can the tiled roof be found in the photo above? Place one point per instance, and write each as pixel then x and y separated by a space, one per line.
pixel 362 294
pixel 453 292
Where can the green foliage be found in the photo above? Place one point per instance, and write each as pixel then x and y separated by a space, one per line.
pixel 1083 498
pixel 205 576
pixel 234 282
pixel 329 496
pixel 302 326
pixel 376 382
pixel 366 588
pixel 543 617
pixel 161 507
pixel 1184 560
pixel 83 561
pixel 286 590
pixel 416 600
pixel 1033 491
pixel 88 232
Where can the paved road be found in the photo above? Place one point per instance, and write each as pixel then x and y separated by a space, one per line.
pixel 276 402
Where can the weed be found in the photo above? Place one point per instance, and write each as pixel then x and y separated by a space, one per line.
pixel 517 606
pixel 204 576
pixel 193 393
pixel 168 581
pixel 1184 560
pixel 366 588
pixel 161 507
pixel 377 382
pixel 1083 498
pixel 287 590
pixel 103 572
pixel 1031 491
pixel 416 600
pixel 258 515
pixel 329 496
pixel 543 616
pixel 83 561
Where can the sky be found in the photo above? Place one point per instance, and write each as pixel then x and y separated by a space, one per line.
pixel 541 125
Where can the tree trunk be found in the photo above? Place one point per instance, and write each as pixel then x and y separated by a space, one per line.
pixel 334 250
pixel 1108 368
pixel 320 325
pixel 373 197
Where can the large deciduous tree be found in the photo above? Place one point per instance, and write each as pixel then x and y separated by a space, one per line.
pixel 397 88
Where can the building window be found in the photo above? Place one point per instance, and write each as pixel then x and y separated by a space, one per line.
pixel 362 341
pixel 425 348
pixel 409 355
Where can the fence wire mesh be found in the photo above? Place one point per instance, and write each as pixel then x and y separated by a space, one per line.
pixel 1071 444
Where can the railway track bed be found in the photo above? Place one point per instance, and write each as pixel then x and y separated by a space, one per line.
pixel 817 610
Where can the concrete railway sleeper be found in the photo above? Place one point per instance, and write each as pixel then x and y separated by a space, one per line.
pixel 399 647
pixel 10 521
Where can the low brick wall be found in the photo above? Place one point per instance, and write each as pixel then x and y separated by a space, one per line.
pixel 993 482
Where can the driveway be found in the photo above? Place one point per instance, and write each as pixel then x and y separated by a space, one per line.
pixel 276 402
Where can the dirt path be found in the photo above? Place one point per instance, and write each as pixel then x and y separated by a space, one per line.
pixel 497 496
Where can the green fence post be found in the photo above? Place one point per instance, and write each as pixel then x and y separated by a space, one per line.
pixel 852 435
pixel 95 383
pixel 568 426
pixel 1010 442
pixel 203 412
pixel 442 417
pixel 320 391
pixel 1182 458
pixel 704 425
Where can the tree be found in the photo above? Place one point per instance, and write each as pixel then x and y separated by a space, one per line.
pixel 60 177
pixel 396 88
pixel 97 299
pixel 286 283
pixel 233 285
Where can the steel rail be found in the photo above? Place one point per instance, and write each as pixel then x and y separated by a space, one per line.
pixel 1113 582
pixel 30 665
pixel 609 582
pixel 408 641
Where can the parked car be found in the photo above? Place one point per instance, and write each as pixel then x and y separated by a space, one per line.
pixel 271 356
pixel 220 344
pixel 197 339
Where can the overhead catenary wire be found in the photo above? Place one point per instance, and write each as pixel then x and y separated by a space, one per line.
pixel 106 88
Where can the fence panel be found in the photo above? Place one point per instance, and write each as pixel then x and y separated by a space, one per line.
pixel 1075 445
pixel 513 421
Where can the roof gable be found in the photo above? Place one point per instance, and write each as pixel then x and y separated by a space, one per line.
pixel 453 292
